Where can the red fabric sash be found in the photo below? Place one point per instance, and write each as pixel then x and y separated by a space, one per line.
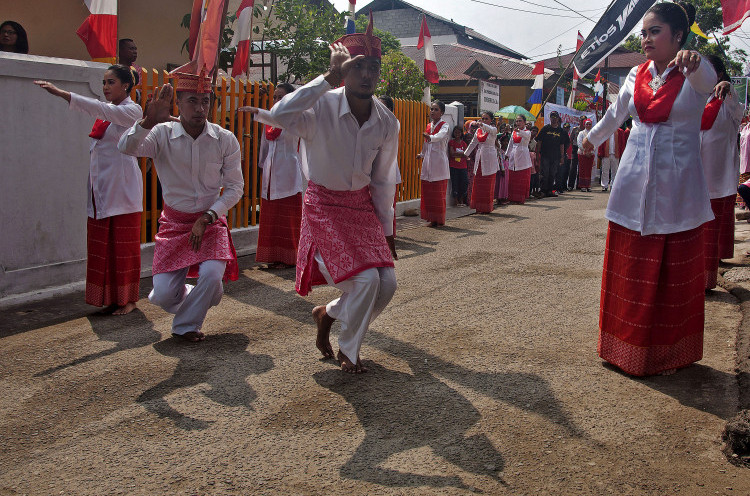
pixel 481 135
pixel 656 107
pixel 516 137
pixel 429 129
pixel 97 131
pixel 272 133
pixel 710 113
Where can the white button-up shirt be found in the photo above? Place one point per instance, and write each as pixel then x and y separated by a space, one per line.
pixel 341 155
pixel 280 161
pixel 519 157
pixel 660 185
pixel 115 182
pixel 192 171
pixel 486 153
pixel 435 155
pixel 721 159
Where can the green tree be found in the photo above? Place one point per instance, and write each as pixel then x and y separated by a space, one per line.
pixel 388 42
pixel 400 77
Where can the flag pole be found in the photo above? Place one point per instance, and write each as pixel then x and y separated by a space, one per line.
pixel 218 49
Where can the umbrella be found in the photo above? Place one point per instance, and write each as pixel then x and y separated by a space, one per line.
pixel 511 111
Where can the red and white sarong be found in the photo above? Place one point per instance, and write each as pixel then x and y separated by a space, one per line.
pixel 278 235
pixel 482 197
pixel 716 237
pixel 725 215
pixel 652 300
pixel 343 227
pixel 518 185
pixel 113 266
pixel 432 203
pixel 502 179
pixel 585 164
pixel 172 250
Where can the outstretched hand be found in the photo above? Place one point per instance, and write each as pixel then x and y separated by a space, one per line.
pixel 722 89
pixel 686 61
pixel 341 64
pixel 158 107
pixel 52 89
pixel 252 110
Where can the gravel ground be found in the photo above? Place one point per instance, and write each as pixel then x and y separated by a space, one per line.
pixel 483 378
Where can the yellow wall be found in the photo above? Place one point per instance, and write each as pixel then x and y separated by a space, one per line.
pixel 513 95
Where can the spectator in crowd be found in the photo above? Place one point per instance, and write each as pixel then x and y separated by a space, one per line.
pixel 13 38
pixel 458 165
pixel 128 52
pixel 551 143
pixel 561 180
pixel 573 172
pixel 501 179
pixel 534 191
pixel 585 158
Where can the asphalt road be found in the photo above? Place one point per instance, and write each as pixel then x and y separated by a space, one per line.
pixel 483 378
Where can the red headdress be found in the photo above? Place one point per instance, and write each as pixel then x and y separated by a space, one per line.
pixel 193 83
pixel 362 43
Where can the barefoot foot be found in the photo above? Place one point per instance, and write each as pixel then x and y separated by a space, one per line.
pixel 190 337
pixel 348 367
pixel 324 323
pixel 125 309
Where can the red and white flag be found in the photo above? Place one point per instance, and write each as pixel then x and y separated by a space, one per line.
pixel 205 33
pixel 734 13
pixel 576 76
pixel 425 41
pixel 99 30
pixel 242 36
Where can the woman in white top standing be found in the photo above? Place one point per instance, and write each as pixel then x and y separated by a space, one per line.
pixel 486 165
pixel 519 162
pixel 282 184
pixel 585 158
pixel 720 126
pixel 652 306
pixel 435 169
pixel 115 195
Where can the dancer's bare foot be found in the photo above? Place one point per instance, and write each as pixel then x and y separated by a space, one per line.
pixel 350 368
pixel 107 310
pixel 191 337
pixel 125 309
pixel 324 323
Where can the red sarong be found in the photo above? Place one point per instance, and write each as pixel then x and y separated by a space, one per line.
pixel 726 227
pixel 113 266
pixel 518 187
pixel 278 235
pixel 482 197
pixel 652 300
pixel 172 250
pixel 432 204
pixel 342 225
pixel 585 164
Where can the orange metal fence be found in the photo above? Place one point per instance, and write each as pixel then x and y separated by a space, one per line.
pixel 232 94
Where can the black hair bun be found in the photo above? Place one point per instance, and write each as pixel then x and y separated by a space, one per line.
pixel 690 11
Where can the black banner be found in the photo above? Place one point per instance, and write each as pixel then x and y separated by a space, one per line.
pixel 611 30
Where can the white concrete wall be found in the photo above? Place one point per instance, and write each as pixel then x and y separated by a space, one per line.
pixel 45 151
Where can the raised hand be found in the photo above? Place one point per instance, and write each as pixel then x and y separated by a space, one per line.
pixel 252 110
pixel 341 63
pixel 722 89
pixel 52 89
pixel 158 107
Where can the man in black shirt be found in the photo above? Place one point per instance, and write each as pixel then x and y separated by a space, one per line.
pixel 573 174
pixel 551 143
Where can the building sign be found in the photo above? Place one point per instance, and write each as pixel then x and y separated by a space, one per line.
pixel 489 97
pixel 740 86
pixel 560 100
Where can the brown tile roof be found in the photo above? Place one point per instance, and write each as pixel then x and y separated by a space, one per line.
pixel 621 58
pixel 454 61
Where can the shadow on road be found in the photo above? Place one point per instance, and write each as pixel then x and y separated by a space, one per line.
pixel 409 247
pixel 221 361
pixel 465 233
pixel 126 331
pixel 499 216
pixel 271 299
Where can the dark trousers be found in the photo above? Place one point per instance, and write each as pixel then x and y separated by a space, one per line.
pixel 561 181
pixel 573 172
pixel 534 184
pixel 459 184
pixel 744 192
pixel 548 173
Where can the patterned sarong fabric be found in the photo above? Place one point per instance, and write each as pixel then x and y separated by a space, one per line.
pixel 113 267
pixel 432 204
pixel 278 235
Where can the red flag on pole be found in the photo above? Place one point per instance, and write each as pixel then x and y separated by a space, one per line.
pixel 208 29
pixel 430 66
pixel 99 31
pixel 242 36
pixel 734 13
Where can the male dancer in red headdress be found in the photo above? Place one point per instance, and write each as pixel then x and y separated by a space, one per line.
pixel 346 238
pixel 195 159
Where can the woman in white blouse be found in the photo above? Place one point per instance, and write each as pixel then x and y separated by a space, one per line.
pixel 652 307
pixel 720 126
pixel 585 158
pixel 486 165
pixel 115 195
pixel 281 188
pixel 519 162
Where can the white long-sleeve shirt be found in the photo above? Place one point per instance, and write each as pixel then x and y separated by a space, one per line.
pixel 341 155
pixel 582 134
pixel 721 159
pixel 192 171
pixel 115 183
pixel 486 153
pixel 519 157
pixel 280 161
pixel 660 184
pixel 435 165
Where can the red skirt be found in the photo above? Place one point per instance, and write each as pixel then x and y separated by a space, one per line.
pixel 113 267
pixel 726 226
pixel 432 204
pixel 518 187
pixel 652 300
pixel 278 235
pixel 483 192
pixel 585 164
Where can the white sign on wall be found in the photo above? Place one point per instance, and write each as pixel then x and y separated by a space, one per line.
pixel 489 97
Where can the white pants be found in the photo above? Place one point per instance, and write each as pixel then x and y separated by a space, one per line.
pixel 189 303
pixel 609 170
pixel 365 295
